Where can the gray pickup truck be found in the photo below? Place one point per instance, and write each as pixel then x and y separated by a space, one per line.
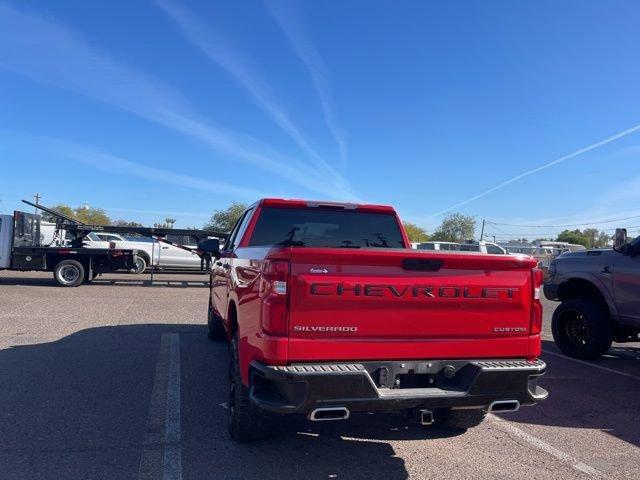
pixel 600 295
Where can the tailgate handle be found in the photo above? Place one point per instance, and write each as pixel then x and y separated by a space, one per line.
pixel 421 264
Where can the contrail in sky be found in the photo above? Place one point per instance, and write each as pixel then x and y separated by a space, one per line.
pixel 289 19
pixel 610 139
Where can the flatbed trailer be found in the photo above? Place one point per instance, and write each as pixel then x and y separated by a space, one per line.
pixel 71 262
pixel 21 250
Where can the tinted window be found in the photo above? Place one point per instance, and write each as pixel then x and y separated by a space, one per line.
pixel 426 246
pixel 317 227
pixel 494 249
pixel 238 231
pixel 469 247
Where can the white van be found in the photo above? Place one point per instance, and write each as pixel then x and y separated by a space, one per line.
pixel 481 247
pixel 444 246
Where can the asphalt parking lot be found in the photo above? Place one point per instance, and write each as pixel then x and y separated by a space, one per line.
pixel 117 380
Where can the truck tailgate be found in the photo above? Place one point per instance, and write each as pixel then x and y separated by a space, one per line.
pixel 400 304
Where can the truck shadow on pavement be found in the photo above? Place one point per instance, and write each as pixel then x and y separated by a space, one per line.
pixel 79 407
pixel 583 395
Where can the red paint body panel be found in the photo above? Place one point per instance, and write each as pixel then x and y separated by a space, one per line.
pixel 347 304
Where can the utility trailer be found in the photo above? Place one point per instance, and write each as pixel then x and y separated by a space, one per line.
pixel 71 262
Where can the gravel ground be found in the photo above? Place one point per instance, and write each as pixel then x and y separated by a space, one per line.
pixel 87 375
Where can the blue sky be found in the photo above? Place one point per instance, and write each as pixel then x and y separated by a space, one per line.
pixel 173 108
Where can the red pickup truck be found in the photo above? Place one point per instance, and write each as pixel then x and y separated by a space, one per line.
pixel 328 311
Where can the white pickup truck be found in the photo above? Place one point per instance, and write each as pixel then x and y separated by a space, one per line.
pixel 164 255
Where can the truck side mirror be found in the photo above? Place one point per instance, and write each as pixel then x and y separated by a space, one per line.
pixel 210 245
pixel 620 239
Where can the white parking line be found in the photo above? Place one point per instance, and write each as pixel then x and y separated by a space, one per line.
pixel 594 365
pixel 172 432
pixel 161 456
pixel 545 447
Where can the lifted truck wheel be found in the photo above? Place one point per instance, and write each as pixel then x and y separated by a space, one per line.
pixel 69 273
pixel 215 329
pixel 460 419
pixel 246 422
pixel 581 329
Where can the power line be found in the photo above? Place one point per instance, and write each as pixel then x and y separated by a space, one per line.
pixel 565 225
pixel 511 180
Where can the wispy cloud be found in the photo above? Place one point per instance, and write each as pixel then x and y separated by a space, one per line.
pixel 220 51
pixel 290 21
pixel 580 151
pixel 46 51
pixel 98 158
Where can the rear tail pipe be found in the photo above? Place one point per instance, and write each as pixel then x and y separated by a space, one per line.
pixel 504 406
pixel 329 413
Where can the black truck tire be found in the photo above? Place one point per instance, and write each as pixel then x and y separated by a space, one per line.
pixel 69 273
pixel 215 328
pixel 582 329
pixel 140 265
pixel 246 422
pixel 460 419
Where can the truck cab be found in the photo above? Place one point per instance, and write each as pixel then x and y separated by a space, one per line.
pixel 599 291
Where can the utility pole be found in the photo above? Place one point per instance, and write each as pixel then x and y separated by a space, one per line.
pixel 482 231
pixel 37 196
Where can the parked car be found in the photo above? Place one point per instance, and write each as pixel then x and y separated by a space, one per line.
pixel 599 291
pixel 483 247
pixel 164 255
pixel 327 311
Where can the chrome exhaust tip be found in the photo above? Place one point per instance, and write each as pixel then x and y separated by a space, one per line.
pixel 504 406
pixel 329 413
pixel 425 417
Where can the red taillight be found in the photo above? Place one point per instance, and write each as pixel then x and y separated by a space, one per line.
pixel 273 291
pixel 537 277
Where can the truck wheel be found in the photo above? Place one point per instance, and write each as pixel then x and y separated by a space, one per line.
pixel 245 420
pixel 215 329
pixel 460 419
pixel 69 273
pixel 581 329
pixel 140 265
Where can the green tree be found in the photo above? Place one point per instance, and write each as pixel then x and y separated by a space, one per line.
pixel 84 214
pixel 92 216
pixel 573 236
pixel 224 220
pixel 455 227
pixel 597 239
pixel 64 209
pixel 126 223
pixel 415 233
pixel 602 240
pixel 168 223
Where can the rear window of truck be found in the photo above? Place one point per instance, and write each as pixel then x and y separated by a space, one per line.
pixel 318 227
